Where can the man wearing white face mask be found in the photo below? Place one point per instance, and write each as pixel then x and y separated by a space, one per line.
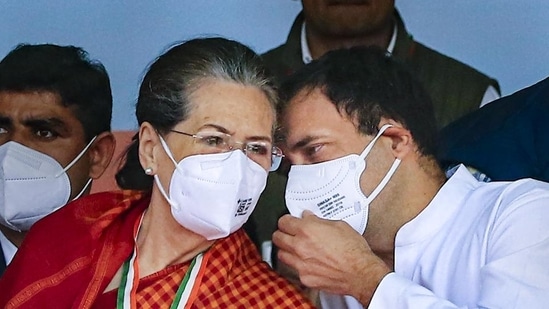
pixel 55 113
pixel 375 222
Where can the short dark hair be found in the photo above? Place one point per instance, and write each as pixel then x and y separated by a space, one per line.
pixel 368 83
pixel 164 95
pixel 82 84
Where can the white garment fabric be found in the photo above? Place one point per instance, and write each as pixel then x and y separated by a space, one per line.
pixel 476 245
pixel 306 52
pixel 334 301
pixel 490 95
pixel 8 248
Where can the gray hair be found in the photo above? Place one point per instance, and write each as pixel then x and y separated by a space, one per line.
pixel 164 95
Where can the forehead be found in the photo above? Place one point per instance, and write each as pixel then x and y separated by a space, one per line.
pixel 236 107
pixel 41 104
pixel 311 113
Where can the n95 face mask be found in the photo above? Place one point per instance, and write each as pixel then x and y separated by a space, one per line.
pixel 213 194
pixel 331 189
pixel 32 185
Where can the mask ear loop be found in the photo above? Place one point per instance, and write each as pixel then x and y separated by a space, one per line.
pixel 167 150
pixel 372 143
pixel 74 162
pixel 77 196
pixel 384 181
pixel 77 157
pixel 157 180
pixel 83 189
pixel 391 171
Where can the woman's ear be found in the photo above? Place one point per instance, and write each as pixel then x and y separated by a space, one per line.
pixel 148 142
pixel 100 154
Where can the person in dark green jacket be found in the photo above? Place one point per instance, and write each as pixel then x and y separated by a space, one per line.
pixel 455 88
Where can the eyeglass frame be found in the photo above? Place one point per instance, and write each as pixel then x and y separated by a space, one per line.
pixel 276 152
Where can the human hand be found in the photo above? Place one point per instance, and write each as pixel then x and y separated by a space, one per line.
pixel 329 255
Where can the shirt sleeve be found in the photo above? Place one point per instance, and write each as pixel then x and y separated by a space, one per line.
pixel 395 291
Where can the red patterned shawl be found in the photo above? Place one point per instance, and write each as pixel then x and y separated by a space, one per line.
pixel 92 237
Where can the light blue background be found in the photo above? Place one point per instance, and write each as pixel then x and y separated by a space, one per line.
pixel 506 39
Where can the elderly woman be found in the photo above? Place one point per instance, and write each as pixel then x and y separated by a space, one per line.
pixel 200 162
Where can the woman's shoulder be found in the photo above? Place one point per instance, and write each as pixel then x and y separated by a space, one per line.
pixel 85 216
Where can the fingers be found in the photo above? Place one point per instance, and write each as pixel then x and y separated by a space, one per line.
pixel 307 213
pixel 287 258
pixel 283 240
pixel 289 224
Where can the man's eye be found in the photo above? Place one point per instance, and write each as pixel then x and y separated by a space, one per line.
pixel 312 150
pixel 45 133
pixel 3 130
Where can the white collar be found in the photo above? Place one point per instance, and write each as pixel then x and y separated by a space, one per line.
pixel 8 248
pixel 306 52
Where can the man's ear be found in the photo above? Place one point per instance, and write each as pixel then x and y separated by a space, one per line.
pixel 402 142
pixel 100 154
pixel 148 140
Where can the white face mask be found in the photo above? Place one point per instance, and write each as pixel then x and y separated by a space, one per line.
pixel 32 184
pixel 213 194
pixel 331 189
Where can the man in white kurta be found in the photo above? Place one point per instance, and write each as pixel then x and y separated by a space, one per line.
pixel 374 220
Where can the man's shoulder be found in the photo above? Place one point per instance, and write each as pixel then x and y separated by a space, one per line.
pixel 526 190
pixel 455 88
pixel 424 54
pixel 513 199
pixel 433 64
pixel 515 210
pixel 283 60
pixel 286 57
pixel 273 54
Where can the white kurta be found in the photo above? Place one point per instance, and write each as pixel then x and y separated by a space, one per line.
pixel 476 245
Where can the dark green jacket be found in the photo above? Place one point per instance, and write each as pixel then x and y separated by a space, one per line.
pixel 455 89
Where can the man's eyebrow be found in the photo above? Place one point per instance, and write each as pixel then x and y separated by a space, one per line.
pixel 44 122
pixel 303 142
pixel 5 121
